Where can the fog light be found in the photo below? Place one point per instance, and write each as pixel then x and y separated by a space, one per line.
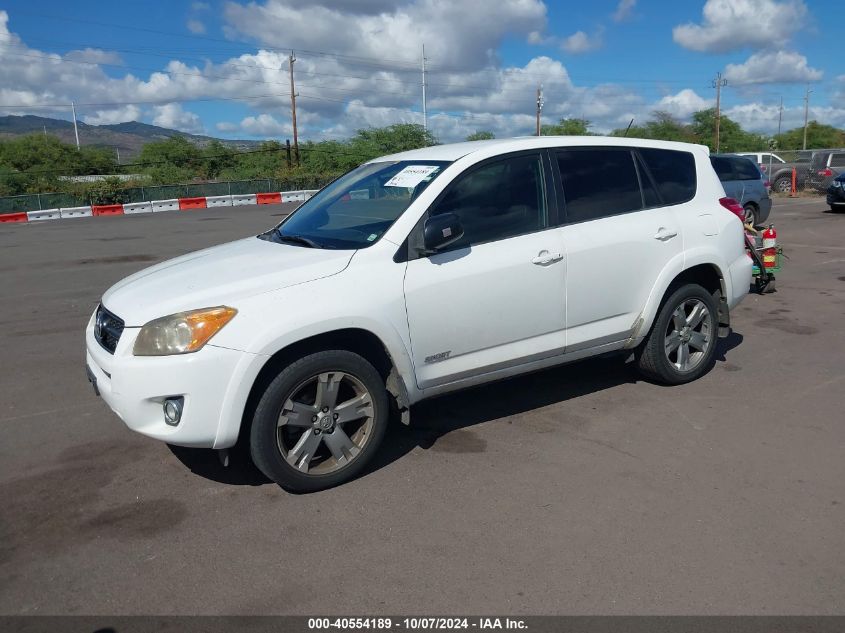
pixel 173 410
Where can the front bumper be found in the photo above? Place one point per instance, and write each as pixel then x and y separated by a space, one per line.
pixel 135 388
pixel 835 196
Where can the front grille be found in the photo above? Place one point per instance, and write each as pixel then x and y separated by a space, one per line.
pixel 107 329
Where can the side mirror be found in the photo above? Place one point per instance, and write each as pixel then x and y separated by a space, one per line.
pixel 441 230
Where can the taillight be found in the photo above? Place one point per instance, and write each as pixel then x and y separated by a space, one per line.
pixel 826 172
pixel 734 207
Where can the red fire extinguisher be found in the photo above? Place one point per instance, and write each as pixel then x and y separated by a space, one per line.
pixel 770 250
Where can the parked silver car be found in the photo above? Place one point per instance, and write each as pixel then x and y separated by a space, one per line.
pixel 744 182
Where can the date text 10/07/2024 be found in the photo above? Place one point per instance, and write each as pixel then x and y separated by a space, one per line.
pixel 414 624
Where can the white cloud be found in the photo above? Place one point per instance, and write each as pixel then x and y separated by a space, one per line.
pixel 195 26
pixel 264 125
pixel 465 33
pixel 772 67
pixel 624 10
pixel 114 115
pixel 173 116
pixel 579 42
pixel 735 24
pixel 94 56
pixel 683 104
pixel 200 6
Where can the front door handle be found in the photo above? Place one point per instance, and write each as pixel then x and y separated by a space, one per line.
pixel 544 258
pixel 664 234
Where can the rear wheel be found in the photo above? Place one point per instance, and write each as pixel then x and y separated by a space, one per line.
pixel 682 344
pixel 319 421
pixel 750 214
pixel 783 184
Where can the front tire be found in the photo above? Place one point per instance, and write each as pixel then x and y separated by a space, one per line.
pixel 681 346
pixel 320 421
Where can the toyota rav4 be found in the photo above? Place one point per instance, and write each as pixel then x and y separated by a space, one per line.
pixel 417 274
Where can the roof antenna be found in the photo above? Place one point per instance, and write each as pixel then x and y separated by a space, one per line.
pixel 628 128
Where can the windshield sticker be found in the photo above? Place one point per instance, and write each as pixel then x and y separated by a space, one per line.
pixel 411 176
pixel 360 194
pixel 372 237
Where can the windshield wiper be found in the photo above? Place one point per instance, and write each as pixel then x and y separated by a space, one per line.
pixel 296 239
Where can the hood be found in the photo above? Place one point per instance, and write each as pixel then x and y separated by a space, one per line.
pixel 220 275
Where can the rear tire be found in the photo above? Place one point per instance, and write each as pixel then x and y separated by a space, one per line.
pixel 783 185
pixel 751 214
pixel 320 421
pixel 681 345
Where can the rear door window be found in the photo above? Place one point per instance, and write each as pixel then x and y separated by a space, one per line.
pixel 745 169
pixel 673 172
pixel 598 182
pixel 723 167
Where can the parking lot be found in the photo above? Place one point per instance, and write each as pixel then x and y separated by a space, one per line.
pixel 577 490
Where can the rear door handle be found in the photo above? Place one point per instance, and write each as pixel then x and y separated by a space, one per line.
pixel 544 258
pixel 664 234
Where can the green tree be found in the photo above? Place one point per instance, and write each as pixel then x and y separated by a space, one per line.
pixel 568 127
pixel 171 161
pixel 662 126
pixel 481 135
pixel 732 138
pixel 818 136
pixel 374 142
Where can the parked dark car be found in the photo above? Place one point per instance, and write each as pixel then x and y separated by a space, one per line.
pixel 744 182
pixel 827 164
pixel 836 193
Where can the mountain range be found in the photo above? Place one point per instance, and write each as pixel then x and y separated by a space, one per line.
pixel 126 138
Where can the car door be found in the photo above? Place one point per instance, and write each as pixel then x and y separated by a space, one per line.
pixel 495 298
pixel 618 239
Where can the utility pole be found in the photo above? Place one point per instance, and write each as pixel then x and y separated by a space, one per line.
pixel 291 60
pixel 806 114
pixel 425 114
pixel 117 151
pixel 718 84
pixel 540 103
pixel 75 130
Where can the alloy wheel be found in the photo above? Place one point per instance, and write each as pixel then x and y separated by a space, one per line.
pixel 689 335
pixel 325 423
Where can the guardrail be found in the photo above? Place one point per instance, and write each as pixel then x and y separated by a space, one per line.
pixel 155 206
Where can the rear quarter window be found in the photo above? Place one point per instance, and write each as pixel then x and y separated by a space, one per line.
pixel 837 160
pixel 723 167
pixel 673 173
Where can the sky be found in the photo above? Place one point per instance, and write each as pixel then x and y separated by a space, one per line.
pixel 220 67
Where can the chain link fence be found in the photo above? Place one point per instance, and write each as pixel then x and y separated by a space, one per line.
pixel 40 201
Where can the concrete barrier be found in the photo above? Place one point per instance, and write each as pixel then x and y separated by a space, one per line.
pixel 191 203
pixel 242 199
pixel 166 205
pixel 14 217
pixel 106 209
pixel 218 201
pixel 138 207
pixel 76 212
pixel 44 214
pixel 268 198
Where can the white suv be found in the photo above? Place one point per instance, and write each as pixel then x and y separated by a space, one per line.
pixel 418 274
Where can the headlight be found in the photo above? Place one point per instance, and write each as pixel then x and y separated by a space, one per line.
pixel 181 333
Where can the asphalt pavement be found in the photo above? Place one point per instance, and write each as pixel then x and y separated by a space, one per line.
pixel 578 490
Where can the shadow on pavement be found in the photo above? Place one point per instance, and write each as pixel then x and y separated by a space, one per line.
pixel 432 419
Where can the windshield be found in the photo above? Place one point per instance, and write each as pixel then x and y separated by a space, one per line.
pixel 356 209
